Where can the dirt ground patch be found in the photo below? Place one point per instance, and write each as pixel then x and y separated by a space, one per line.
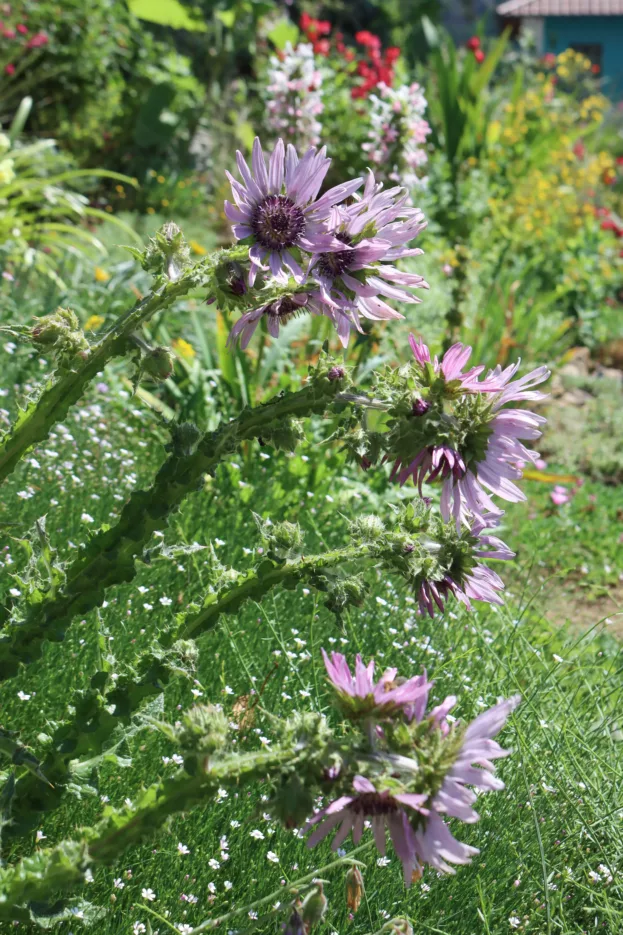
pixel 567 604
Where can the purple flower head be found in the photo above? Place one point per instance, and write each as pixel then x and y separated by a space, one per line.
pixel 355 281
pixel 360 696
pixel 276 313
pixel 277 208
pixel 476 449
pixel 415 819
pixel 385 811
pixel 467 579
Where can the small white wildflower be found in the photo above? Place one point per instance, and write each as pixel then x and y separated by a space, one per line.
pixel 182 849
pixel 272 857
pixel 148 894
pixel 257 834
pixel 138 928
pixel 23 696
pixel 557 657
pixel 228 884
pixel 383 861
pixel 166 601
pixel 87 518
pixel 14 592
pixel 594 877
pixel 40 835
pixel 514 922
pixel 214 864
pixel 234 823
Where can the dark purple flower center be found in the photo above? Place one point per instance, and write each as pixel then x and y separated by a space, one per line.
pixel 446 462
pixel 286 307
pixel 332 265
pixel 277 222
pixel 374 803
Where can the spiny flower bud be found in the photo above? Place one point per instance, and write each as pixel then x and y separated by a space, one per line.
pixel 336 373
pixel 157 364
pixel 354 888
pixel 314 907
pixel 204 729
pixel 60 331
pixel 368 528
pixel 167 252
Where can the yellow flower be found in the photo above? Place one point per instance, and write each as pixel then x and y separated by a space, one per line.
pixel 181 184
pixel 119 188
pixel 152 174
pixel 183 348
pixel 197 248
pixel 101 275
pixel 94 322
pixel 165 202
pixel 160 179
pixel 151 211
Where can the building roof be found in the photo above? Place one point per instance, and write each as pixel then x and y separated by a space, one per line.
pixel 561 8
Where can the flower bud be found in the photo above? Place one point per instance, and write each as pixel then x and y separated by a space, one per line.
pixel 167 252
pixel 314 907
pixel 204 729
pixel 354 888
pixel 336 373
pixel 157 364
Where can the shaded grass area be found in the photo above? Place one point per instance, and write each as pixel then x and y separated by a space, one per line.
pixel 551 844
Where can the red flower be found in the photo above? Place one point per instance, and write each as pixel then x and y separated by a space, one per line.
pixel 549 59
pixel 349 55
pixel 305 21
pixel 22 30
pixel 322 47
pixel 579 149
pixel 479 55
pixel 38 40
pixel 608 225
pixel 619 160
pixel 363 69
pixel 323 26
pixel 392 55
pixel 473 43
pixel 340 47
pixel 9 33
pixel 9 69
pixel 368 39
pixel 595 69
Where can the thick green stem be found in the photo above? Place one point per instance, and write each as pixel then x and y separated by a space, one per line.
pixel 60 869
pixel 35 423
pixel 109 557
pixel 111 703
pixel 259 581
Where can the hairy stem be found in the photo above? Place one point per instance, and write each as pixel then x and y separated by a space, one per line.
pixel 35 423
pixel 109 557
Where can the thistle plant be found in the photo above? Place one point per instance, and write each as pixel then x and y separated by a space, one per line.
pixel 384 757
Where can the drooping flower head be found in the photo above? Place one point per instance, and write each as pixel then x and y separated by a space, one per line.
pixel 355 281
pixel 450 426
pixel 411 794
pixel 277 208
pixel 360 696
pixel 277 313
pixel 458 569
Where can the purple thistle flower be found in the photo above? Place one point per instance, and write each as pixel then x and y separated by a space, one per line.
pixel 278 208
pixel 354 282
pixel 276 313
pixel 385 811
pixel 359 693
pixel 479 583
pixel 420 835
pixel 465 478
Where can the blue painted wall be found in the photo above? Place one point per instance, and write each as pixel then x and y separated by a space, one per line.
pixel 564 31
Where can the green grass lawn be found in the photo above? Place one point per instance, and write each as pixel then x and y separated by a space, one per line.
pixel 551 844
